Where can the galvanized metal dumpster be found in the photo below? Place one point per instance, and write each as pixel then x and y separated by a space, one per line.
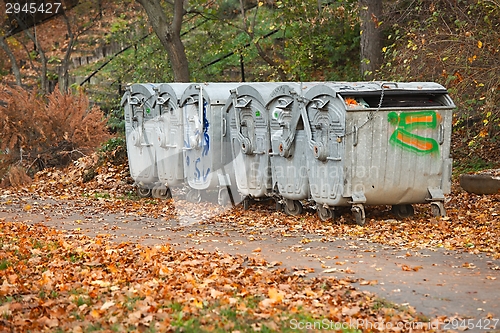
pixel 169 139
pixel 375 143
pixel 289 146
pixel 140 110
pixel 248 121
pixel 205 138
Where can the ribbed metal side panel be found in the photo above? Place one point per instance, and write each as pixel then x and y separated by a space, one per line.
pixel 386 172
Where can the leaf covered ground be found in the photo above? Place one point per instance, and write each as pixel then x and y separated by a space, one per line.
pixel 472 222
pixel 56 282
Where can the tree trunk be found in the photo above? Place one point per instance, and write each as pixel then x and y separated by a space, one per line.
pixel 371 37
pixel 169 34
pixel 44 85
pixel 13 62
pixel 64 70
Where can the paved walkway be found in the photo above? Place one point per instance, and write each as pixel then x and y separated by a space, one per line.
pixel 434 282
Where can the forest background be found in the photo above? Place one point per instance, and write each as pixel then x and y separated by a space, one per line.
pixel 63 76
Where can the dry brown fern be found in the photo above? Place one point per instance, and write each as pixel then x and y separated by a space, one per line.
pixel 43 131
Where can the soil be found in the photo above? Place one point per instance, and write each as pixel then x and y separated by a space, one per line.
pixel 435 282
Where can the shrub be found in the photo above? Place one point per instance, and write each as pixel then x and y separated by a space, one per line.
pixel 47 131
pixel 15 176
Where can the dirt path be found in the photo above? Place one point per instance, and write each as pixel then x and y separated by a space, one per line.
pixel 435 282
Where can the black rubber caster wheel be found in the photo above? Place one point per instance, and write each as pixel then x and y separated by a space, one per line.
pixel 144 192
pixel 324 213
pixel 293 207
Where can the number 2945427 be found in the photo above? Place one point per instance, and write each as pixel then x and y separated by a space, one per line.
pixel 32 8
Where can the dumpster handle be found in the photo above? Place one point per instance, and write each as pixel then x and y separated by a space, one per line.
pixel 140 130
pixel 388 84
pixel 441 134
pixel 246 143
pixel 224 124
pixel 317 148
pixel 355 135
pixel 286 143
pixel 133 100
pixel 200 106
pixel 162 100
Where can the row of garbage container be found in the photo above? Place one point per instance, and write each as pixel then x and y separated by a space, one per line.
pixel 327 143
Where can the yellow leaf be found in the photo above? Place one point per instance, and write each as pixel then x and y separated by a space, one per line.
pixel 479 44
pixel 112 268
pixel 198 304
pixel 275 295
pixel 95 314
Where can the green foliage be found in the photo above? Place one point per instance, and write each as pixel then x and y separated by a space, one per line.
pixel 114 150
pixel 112 144
pixel 321 43
pixel 307 42
pixel 455 44
pixel 54 60
pixel 4 264
pixel 471 166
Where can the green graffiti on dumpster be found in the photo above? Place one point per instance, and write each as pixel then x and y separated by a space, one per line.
pixel 406 122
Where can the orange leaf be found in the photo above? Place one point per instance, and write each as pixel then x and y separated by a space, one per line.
pixel 276 295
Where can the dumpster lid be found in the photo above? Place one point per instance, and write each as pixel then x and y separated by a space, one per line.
pixel 214 93
pixel 174 90
pixel 146 90
pixel 258 90
pixel 390 88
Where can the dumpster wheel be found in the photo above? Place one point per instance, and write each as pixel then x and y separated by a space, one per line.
pixel 143 192
pixel 193 196
pixel 359 214
pixel 437 209
pixel 402 211
pixel 161 192
pixel 324 213
pixel 293 207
